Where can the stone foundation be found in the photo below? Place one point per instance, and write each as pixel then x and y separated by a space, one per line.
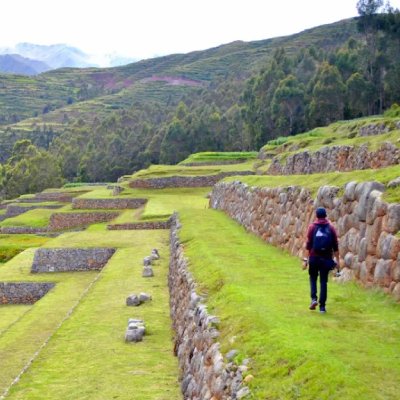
pixel 14 209
pixel 59 221
pixel 336 158
pixel 183 181
pixel 205 375
pixel 110 204
pixel 23 292
pixel 65 259
pixel 366 225
pixel 62 197
pixel 16 230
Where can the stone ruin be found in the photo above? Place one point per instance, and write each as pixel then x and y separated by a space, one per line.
pixel 136 300
pixel 147 263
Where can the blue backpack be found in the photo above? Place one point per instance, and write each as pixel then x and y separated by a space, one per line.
pixel 322 239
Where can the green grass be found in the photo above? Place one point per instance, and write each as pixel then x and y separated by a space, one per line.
pixel 20 340
pixel 261 296
pixel 87 357
pixel 11 245
pixel 314 181
pixel 339 133
pixel 37 218
pixel 210 156
pixel 162 171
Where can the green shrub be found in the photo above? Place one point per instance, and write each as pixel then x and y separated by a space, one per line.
pixel 393 112
pixel 278 141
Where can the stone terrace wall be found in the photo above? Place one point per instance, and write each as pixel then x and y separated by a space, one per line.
pixel 23 292
pixel 183 181
pixel 62 197
pixel 14 209
pixel 59 221
pixel 336 158
pixel 205 375
pixel 16 230
pixel 107 203
pixel 366 225
pixel 140 225
pixel 61 260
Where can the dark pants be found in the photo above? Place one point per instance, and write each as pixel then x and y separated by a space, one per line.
pixel 319 266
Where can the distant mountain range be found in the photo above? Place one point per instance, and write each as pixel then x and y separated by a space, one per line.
pixel 32 59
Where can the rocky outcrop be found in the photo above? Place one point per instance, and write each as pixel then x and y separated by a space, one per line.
pixel 205 374
pixel 23 292
pixel 336 158
pixel 59 221
pixel 109 204
pixel 366 225
pixel 65 259
pixel 183 181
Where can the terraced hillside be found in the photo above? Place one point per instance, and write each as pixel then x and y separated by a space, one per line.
pixel 227 286
pixel 50 96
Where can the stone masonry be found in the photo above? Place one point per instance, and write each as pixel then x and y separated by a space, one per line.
pixel 205 375
pixel 183 181
pixel 23 292
pixel 59 221
pixel 336 158
pixel 367 225
pixel 119 203
pixel 66 259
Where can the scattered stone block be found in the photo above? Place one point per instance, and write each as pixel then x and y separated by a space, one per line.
pixel 147 272
pixel 135 331
pixel 144 297
pixel 136 300
pixel 155 255
pixel 133 300
pixel 117 190
pixel 147 261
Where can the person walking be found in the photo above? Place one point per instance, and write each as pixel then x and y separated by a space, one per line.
pixel 321 246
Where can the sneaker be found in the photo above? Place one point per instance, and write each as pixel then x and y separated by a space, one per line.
pixel 322 309
pixel 313 305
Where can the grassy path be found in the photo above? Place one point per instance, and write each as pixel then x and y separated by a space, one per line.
pixel 88 358
pixel 261 296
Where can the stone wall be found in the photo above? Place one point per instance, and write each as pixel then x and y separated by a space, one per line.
pixel 183 181
pixel 118 203
pixel 14 209
pixel 336 158
pixel 59 221
pixel 16 230
pixel 366 225
pixel 23 292
pixel 62 197
pixel 205 375
pixel 141 225
pixel 66 259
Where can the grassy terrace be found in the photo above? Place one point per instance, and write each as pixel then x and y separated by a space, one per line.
pixel 215 157
pixel 162 171
pixel 261 296
pixel 86 357
pixel 339 133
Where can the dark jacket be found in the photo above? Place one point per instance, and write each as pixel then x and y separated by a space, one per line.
pixel 310 237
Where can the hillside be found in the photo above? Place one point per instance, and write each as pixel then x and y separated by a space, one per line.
pixel 56 88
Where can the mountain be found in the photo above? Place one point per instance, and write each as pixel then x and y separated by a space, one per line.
pixel 56 55
pixel 16 64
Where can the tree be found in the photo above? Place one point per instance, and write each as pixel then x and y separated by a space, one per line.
pixel 327 98
pixel 359 93
pixel 288 106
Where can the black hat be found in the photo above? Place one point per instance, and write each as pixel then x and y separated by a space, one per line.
pixel 321 212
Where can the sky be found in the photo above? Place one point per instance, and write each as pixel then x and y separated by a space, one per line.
pixel 148 28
